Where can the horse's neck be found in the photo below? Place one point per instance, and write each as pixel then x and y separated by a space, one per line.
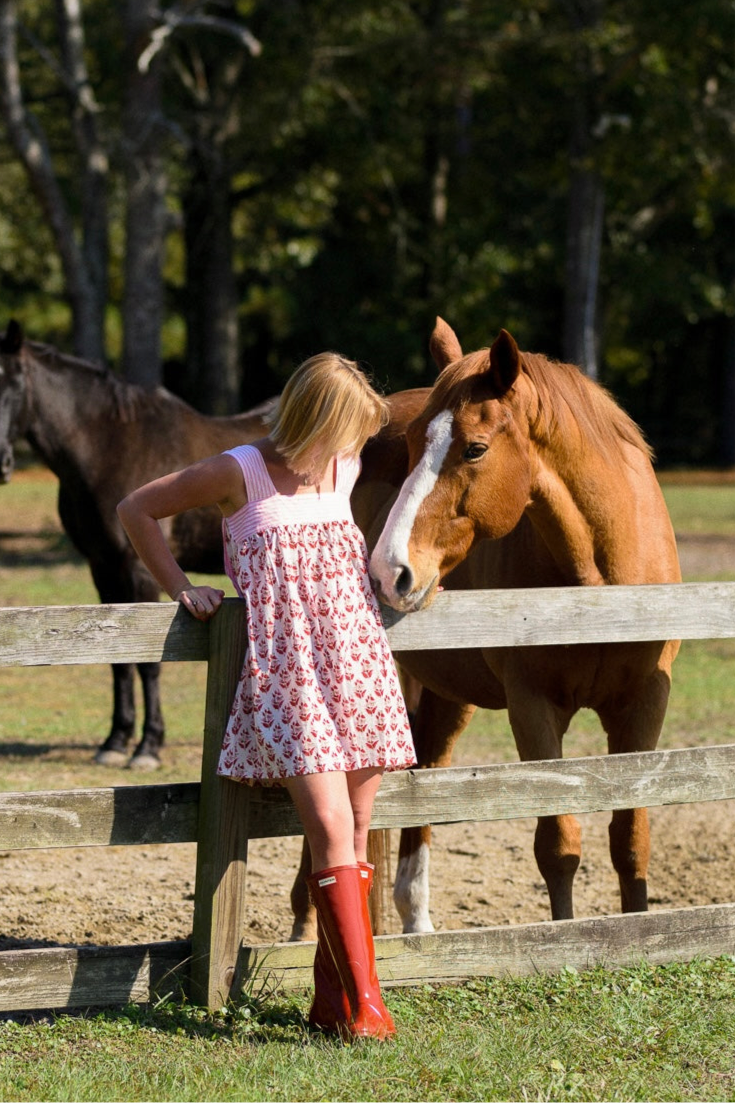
pixel 63 399
pixel 567 527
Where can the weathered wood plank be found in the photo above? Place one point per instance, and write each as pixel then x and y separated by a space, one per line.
pixel 134 815
pixel 517 790
pixel 613 941
pixel 138 815
pixel 50 635
pixel 82 634
pixel 92 976
pixel 567 615
pixel 111 976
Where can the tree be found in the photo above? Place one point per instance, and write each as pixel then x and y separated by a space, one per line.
pixel 83 251
pixel 586 199
pixel 146 183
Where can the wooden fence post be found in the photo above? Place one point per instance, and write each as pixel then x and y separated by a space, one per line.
pixel 222 835
pixel 378 852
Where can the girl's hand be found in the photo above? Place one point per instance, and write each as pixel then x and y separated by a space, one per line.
pixel 201 601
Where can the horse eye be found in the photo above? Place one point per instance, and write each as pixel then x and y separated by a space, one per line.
pixel 474 451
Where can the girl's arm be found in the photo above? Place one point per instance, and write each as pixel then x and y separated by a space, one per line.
pixel 216 481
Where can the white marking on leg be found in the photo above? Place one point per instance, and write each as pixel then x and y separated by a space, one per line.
pixel 411 892
pixel 391 551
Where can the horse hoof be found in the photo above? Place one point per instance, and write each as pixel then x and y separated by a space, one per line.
pixel 146 762
pixel 303 931
pixel 111 758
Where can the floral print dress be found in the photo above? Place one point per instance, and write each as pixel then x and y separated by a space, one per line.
pixel 319 689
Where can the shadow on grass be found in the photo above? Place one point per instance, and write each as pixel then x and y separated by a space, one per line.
pixel 44 548
pixel 244 1023
pixel 26 750
pixel 64 753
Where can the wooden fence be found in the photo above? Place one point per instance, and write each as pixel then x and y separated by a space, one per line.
pixel 222 816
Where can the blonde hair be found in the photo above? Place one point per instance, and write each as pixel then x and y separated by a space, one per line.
pixel 327 407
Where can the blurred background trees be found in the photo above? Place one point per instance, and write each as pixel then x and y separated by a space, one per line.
pixel 207 191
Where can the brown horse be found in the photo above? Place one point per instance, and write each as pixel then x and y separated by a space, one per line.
pixel 524 473
pixel 103 437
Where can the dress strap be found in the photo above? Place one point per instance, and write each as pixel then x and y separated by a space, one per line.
pixel 348 468
pixel 258 483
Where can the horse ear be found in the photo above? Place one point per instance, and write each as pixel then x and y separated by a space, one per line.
pixel 505 363
pixel 12 339
pixel 444 345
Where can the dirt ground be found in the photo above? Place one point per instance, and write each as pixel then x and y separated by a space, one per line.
pixel 481 874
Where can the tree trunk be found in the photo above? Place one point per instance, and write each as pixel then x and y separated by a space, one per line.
pixel 212 371
pixel 145 220
pixel 586 205
pixel 585 220
pixel 725 349
pixel 85 267
pixel 94 163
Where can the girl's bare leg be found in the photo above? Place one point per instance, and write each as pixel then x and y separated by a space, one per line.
pixel 363 786
pixel 335 810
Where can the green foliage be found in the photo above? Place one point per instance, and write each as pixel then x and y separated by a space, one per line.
pixel 390 161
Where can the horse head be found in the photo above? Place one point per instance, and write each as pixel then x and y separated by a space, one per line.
pixel 469 469
pixel 12 396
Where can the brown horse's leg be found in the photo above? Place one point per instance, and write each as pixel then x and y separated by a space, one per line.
pixel 630 850
pixel 147 755
pixel 114 752
pixel 538 728
pixel 437 725
pixel 557 848
pixel 304 921
pixel 635 726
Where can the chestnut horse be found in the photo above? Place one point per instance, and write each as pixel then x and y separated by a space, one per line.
pixel 102 437
pixel 524 473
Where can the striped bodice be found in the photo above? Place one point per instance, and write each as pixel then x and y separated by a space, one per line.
pixel 266 508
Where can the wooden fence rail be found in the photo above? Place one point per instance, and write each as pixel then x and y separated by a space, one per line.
pixel 222 816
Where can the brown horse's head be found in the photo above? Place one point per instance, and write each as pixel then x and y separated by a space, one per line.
pixel 469 470
pixel 12 396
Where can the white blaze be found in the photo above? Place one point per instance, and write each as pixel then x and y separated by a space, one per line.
pixel 391 551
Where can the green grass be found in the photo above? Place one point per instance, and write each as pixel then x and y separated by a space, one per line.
pixel 700 510
pixel 648 1033
pixel 645 1033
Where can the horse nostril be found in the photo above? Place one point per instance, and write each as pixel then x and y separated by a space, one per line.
pixel 404 581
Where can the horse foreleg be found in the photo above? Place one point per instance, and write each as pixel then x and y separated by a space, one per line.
pixel 436 724
pixel 113 751
pixel 411 886
pixel 635 726
pixel 304 921
pixel 147 755
pixel 557 848
pixel 630 851
pixel 538 728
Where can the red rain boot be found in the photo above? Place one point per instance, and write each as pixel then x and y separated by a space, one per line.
pixel 341 903
pixel 330 1008
pixel 368 872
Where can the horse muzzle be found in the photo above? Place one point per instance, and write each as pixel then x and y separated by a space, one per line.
pixel 402 593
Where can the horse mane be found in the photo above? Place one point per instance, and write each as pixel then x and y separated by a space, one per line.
pixel 566 397
pixel 565 392
pixel 115 398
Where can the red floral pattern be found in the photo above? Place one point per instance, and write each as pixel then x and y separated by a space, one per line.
pixel 319 690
